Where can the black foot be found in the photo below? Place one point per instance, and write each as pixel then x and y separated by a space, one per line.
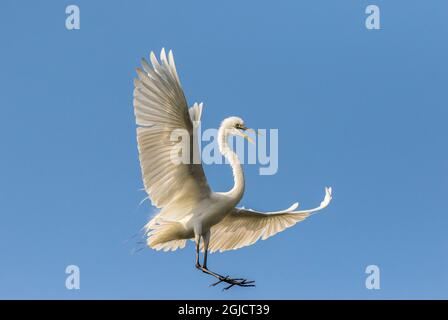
pixel 234 282
pixel 240 282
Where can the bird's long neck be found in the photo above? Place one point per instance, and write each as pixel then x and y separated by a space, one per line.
pixel 238 175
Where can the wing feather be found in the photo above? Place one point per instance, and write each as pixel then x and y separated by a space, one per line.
pixel 243 227
pixel 160 108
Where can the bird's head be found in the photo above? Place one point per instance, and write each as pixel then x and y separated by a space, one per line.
pixel 235 126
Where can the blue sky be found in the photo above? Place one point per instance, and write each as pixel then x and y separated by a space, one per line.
pixel 361 110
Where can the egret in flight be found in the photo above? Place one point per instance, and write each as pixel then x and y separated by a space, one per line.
pixel 189 209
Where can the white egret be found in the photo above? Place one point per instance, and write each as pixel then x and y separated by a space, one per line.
pixel 189 209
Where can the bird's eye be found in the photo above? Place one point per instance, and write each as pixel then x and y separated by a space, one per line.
pixel 239 126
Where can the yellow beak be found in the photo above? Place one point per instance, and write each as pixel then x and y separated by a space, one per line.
pixel 245 136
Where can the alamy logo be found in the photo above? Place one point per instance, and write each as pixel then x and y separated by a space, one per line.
pixel 73 280
pixel 373 18
pixel 373 280
pixel 259 150
pixel 73 20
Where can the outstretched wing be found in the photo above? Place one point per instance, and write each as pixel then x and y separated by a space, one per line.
pixel 161 109
pixel 243 227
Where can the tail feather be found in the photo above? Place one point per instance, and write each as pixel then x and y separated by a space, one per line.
pixel 172 245
pixel 165 235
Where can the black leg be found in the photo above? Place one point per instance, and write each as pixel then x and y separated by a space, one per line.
pixel 205 259
pixel 206 243
pixel 231 281
pixel 198 240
